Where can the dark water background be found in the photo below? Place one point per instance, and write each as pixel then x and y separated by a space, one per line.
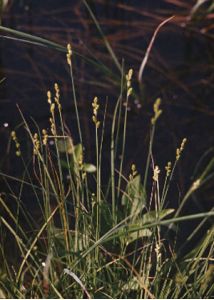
pixel 179 70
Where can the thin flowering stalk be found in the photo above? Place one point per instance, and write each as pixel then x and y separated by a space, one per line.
pixel 157 113
pixel 74 188
pixel 113 161
pixel 128 94
pixel 64 136
pixel 98 194
pixel 149 156
pixel 157 238
pixel 95 106
pixel 69 61
pixel 119 110
pixel 171 171
pixel 167 186
pixel 114 146
pixel 61 195
pixel 168 169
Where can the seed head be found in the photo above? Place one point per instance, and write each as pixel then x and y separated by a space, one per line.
pixel 168 168
pixel 157 111
pixel 180 150
pixel 128 82
pixel 69 54
pixel 36 143
pixel 156 173
pixel 95 107
pixel 17 144
pixel 44 137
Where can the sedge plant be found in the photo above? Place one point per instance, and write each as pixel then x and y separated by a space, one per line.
pixel 90 241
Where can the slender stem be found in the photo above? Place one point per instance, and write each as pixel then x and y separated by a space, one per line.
pixel 113 164
pixel 167 184
pixel 98 188
pixel 75 103
pixel 107 44
pixel 149 156
pixel 124 144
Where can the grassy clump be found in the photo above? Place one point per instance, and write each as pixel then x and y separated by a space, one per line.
pixel 87 240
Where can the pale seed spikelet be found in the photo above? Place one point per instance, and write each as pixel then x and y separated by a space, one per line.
pixel 18 153
pixel 69 54
pixel 17 144
pixel 183 144
pixel 128 82
pixel 129 77
pixel 53 127
pixel 49 97
pixel 52 108
pixel 36 143
pixel 156 173
pixel 56 87
pixel 168 168
pixel 158 251
pixel 133 172
pixel 180 150
pixel 57 96
pixel 129 92
pixel 52 105
pixel 157 111
pixel 196 184
pixel 95 107
pixel 13 135
pixel 44 137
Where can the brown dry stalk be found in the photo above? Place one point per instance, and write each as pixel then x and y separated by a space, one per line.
pixel 149 48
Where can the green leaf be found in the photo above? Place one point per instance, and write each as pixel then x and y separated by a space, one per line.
pixel 78 152
pixel 133 236
pixel 153 216
pixel 65 145
pixel 132 284
pixel 149 217
pixel 34 39
pixel 83 239
pixel 134 196
pixel 89 168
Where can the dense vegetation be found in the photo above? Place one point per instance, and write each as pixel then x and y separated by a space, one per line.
pixel 94 231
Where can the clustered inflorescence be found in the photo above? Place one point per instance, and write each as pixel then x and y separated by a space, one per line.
pixel 95 107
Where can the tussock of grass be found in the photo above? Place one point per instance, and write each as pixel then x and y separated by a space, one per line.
pixel 89 240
